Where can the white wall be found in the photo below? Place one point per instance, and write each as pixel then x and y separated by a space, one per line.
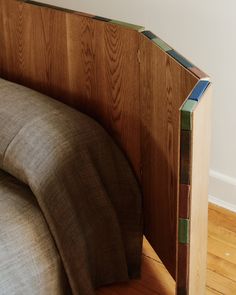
pixel 204 32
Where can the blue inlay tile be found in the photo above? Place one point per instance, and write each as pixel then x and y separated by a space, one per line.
pixel 198 90
pixel 104 19
pixel 149 34
pixel 184 62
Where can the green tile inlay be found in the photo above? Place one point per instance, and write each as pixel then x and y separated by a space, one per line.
pixel 161 44
pixel 184 231
pixel 127 25
pixel 186 114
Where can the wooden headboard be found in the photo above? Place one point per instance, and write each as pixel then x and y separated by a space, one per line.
pixel 153 102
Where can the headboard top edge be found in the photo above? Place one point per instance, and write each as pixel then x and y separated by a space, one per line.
pixel 169 50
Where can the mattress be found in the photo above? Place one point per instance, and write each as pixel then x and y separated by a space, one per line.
pixel 82 190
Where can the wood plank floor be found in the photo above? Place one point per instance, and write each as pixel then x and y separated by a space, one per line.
pixel 221 269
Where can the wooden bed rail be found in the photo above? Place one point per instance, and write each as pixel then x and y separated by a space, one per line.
pixel 147 96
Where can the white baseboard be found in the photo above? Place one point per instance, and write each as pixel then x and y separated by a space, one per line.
pixel 222 204
pixel 222 190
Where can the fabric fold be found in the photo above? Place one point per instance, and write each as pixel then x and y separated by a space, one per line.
pixel 82 182
pixel 29 260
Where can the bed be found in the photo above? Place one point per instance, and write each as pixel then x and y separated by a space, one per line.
pixel 155 114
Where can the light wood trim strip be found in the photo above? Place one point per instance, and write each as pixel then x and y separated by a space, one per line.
pixel 199 194
pixel 187 159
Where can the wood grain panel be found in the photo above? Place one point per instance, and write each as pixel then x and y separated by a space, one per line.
pixel 35 47
pixel 101 84
pixel 164 86
pixel 120 78
pixel 80 61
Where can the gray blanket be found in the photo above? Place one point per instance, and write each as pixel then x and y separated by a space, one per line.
pixel 82 182
pixel 29 260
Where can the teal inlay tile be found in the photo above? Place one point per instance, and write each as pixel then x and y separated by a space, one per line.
pixel 182 60
pixel 104 19
pixel 186 114
pixel 184 231
pixel 128 25
pixel 198 90
pixel 149 34
pixel 161 44
pixel 185 168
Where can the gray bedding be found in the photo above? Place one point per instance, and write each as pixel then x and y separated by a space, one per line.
pixel 83 187
pixel 29 260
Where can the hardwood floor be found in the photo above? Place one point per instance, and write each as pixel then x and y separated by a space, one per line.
pixel 221 269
